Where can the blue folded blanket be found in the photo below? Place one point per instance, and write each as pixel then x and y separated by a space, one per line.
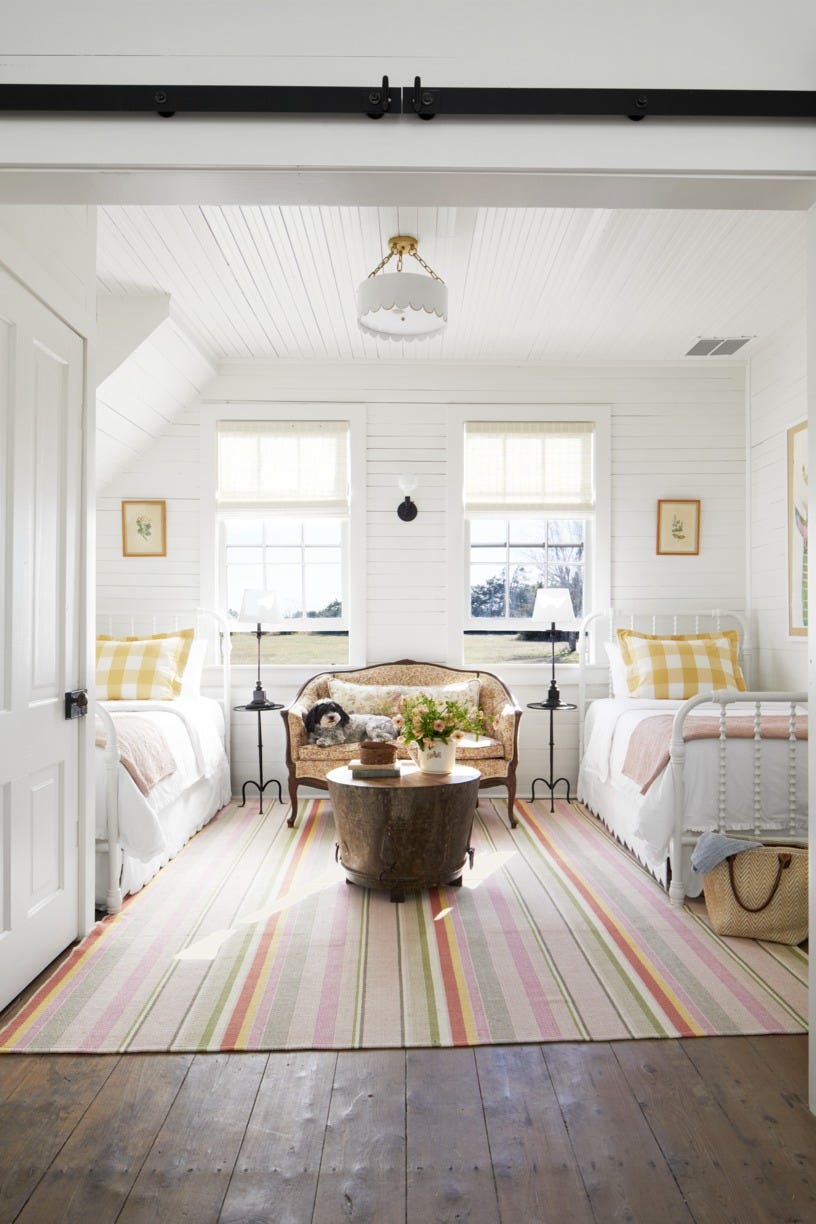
pixel 712 848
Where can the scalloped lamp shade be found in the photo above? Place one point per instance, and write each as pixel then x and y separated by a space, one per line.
pixel 402 306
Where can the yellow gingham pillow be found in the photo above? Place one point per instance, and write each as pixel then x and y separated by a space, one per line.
pixel 142 669
pixel 681 665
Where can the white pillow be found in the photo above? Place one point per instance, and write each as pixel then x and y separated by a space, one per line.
pixel 617 669
pixel 191 678
pixel 382 698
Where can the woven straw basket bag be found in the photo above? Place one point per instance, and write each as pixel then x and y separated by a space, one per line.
pixel 760 894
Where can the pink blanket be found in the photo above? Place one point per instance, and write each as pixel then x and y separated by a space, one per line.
pixel 143 750
pixel 648 752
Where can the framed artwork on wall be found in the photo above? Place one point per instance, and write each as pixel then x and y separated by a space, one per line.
pixel 678 528
pixel 798 530
pixel 144 529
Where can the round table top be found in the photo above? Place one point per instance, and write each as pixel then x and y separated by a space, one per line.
pixel 543 705
pixel 256 705
pixel 410 776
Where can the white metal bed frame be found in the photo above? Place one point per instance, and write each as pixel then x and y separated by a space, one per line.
pixel 700 622
pixel 677 757
pixel 590 641
pixel 217 636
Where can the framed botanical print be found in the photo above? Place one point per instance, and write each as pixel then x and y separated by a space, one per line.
pixel 798 530
pixel 144 529
pixel 678 528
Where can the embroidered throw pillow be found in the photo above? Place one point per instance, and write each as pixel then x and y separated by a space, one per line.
pixel 142 669
pixel 680 665
pixel 384 698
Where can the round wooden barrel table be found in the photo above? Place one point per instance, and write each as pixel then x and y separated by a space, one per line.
pixel 407 833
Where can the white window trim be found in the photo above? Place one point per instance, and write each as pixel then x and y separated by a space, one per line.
pixel 257 410
pixel 598 586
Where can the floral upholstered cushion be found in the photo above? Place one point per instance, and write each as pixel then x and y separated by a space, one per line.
pixel 384 698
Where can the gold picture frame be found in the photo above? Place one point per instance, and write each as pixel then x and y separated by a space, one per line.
pixel 144 528
pixel 798 530
pixel 678 528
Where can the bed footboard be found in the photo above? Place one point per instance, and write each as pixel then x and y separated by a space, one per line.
pixel 790 703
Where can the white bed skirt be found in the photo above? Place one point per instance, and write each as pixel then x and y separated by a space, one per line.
pixel 180 820
pixel 618 811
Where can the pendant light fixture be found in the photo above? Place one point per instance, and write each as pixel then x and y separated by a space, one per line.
pixel 402 305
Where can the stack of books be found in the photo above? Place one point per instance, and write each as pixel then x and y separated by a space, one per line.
pixel 359 770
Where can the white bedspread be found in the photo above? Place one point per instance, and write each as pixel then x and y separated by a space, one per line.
pixel 649 818
pixel 193 728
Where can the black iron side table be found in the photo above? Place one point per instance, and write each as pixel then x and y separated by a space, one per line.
pixel 261 785
pixel 551 782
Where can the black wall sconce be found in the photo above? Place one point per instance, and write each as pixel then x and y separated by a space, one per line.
pixel 407 510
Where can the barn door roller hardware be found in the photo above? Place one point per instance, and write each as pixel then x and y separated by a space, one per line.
pixel 168 100
pixel 427 101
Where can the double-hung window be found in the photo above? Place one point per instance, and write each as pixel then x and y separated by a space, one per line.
pixel 282 503
pixel 529 505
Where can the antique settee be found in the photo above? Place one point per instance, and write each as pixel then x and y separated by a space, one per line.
pixel 495 755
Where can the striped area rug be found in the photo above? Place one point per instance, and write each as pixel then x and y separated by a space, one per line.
pixel 251 940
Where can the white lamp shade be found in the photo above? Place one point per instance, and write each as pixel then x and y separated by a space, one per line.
pixel 402 306
pixel 259 607
pixel 554 604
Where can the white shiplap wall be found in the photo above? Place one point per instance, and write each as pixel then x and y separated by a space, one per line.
pixel 778 399
pixel 407 562
pixel 677 431
pixel 679 439
pixel 168 469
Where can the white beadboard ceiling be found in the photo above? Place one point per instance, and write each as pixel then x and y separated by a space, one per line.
pixel 525 284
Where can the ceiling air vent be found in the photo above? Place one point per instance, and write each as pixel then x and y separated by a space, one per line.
pixel 717 346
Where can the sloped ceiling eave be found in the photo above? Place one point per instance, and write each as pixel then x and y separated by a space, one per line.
pixel 144 396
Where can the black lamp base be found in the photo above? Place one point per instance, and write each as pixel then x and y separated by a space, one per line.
pixel 258 697
pixel 553 696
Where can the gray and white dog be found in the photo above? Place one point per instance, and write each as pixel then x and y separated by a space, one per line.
pixel 328 723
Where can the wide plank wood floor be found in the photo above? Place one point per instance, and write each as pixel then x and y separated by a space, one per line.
pixel 710 1129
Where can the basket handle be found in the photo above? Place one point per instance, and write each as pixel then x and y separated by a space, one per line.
pixel 784 861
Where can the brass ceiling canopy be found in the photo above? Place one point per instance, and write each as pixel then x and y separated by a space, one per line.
pixel 402 244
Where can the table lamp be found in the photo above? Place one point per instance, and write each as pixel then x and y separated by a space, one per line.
pixel 261 607
pixel 554 604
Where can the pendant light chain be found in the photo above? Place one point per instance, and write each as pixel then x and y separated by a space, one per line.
pixel 382 264
pixel 400 248
pixel 427 267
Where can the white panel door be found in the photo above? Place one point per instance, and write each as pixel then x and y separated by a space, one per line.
pixel 41 404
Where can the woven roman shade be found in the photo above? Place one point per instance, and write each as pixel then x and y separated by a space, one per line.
pixel 539 466
pixel 297 467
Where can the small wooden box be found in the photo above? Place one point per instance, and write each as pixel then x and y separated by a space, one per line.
pixel 374 752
